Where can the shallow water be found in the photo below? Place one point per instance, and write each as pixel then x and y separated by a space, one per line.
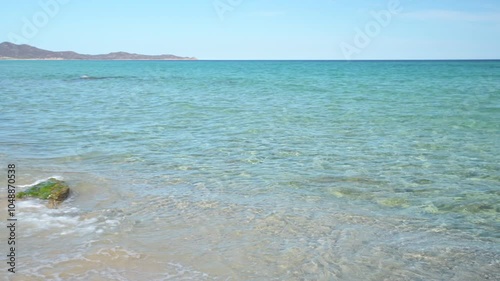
pixel 256 170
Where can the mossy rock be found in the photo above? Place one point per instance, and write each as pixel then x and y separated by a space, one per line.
pixel 52 189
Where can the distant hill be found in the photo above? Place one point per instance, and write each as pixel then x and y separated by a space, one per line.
pixel 27 52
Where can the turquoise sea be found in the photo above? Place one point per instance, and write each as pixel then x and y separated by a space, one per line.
pixel 255 170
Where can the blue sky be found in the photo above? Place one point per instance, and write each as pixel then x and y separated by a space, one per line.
pixel 260 29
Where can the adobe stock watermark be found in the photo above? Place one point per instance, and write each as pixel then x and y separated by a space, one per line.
pixel 40 19
pixel 364 36
pixel 221 7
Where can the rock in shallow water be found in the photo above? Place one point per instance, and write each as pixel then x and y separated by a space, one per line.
pixel 52 189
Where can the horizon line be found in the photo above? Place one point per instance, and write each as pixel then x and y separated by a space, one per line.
pixel 198 59
pixel 257 59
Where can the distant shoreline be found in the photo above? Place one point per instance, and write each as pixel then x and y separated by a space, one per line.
pixel 62 59
pixel 10 51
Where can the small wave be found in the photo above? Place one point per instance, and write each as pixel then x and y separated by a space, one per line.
pixel 42 180
pixel 65 220
pixel 38 218
pixel 87 77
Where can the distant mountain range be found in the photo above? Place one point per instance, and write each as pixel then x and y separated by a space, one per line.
pixel 27 52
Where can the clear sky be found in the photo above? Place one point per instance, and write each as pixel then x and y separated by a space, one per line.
pixel 260 29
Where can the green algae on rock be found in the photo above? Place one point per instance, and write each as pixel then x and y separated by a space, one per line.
pixel 52 189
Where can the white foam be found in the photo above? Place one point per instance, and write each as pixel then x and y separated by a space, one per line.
pixel 37 218
pixel 29 204
pixel 42 180
pixel 46 216
pixel 184 272
pixel 112 222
